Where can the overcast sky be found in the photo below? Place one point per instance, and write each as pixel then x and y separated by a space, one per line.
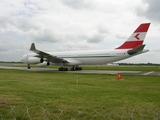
pixel 60 25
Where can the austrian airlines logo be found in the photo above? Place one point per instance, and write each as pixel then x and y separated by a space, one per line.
pixel 136 36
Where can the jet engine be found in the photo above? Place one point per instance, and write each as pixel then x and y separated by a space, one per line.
pixel 43 64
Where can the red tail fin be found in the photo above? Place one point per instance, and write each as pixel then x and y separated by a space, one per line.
pixel 136 38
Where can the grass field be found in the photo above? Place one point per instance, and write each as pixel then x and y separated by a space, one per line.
pixel 57 95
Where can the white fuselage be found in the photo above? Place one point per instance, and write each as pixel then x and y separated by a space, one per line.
pixel 93 57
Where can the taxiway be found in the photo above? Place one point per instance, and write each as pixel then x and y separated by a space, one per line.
pixel 83 71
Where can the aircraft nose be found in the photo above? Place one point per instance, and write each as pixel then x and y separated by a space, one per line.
pixel 22 59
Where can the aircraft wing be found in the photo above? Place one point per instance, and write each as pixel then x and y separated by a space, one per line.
pixel 49 57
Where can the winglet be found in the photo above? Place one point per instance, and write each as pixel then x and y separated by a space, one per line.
pixel 32 48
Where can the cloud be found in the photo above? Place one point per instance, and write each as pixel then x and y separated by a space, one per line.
pixel 26 25
pixel 121 37
pixel 5 21
pixel 156 49
pixel 8 45
pixel 25 8
pixel 20 23
pixel 78 4
pixel 2 49
pixel 102 29
pixel 45 36
pixel 96 38
pixel 85 45
pixel 77 45
pixel 149 9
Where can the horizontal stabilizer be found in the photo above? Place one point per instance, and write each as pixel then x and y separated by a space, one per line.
pixel 136 50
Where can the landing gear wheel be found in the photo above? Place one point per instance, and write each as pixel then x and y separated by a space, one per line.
pixel 78 68
pixel 72 69
pixel 29 66
pixel 60 69
pixel 66 69
pixel 63 69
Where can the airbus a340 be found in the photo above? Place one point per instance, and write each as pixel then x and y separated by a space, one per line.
pixel 131 47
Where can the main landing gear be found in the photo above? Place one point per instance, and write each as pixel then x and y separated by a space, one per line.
pixel 62 69
pixel 73 68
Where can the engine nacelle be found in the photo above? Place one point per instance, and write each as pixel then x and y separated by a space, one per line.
pixel 34 60
pixel 43 64
pixel 41 60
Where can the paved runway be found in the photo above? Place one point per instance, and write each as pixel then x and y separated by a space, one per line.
pixel 84 71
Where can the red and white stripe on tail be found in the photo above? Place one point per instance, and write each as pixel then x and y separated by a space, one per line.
pixel 136 38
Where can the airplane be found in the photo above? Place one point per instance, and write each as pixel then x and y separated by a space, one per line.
pixel 131 47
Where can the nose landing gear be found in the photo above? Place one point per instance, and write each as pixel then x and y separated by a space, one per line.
pixel 29 66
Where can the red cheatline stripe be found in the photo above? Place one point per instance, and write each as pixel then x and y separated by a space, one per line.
pixel 130 44
pixel 142 28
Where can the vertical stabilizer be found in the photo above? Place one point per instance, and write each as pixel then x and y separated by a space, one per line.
pixel 136 38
